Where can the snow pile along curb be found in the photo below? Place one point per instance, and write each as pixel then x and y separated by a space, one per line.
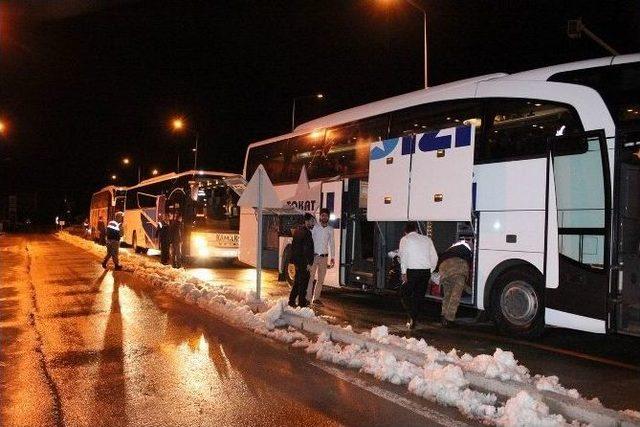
pixel 446 378
pixel 475 385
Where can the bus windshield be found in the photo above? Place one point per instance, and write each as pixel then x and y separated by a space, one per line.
pixel 216 207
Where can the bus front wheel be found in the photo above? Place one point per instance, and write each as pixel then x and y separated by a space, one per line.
pixel 517 303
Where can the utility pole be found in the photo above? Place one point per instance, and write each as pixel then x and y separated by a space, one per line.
pixel 575 29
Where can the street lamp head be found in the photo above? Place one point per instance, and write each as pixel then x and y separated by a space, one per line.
pixel 3 127
pixel 154 172
pixel 320 96
pixel 126 161
pixel 178 124
pixel 113 177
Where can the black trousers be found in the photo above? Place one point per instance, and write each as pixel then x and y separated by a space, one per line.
pixel 165 249
pixel 412 293
pixel 175 254
pixel 299 289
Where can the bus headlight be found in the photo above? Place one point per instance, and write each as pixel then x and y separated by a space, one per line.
pixel 200 246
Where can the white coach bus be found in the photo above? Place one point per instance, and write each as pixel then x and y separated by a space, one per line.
pixel 207 206
pixel 541 167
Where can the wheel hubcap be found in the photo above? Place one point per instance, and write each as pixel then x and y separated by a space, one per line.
pixel 519 303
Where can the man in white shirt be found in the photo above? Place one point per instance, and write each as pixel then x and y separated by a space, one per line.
pixel 418 258
pixel 323 248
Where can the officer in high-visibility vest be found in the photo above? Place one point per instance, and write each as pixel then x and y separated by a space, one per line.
pixel 114 233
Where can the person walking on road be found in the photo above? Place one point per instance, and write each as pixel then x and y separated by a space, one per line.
pixel 323 247
pixel 302 257
pixel 455 265
pixel 175 236
pixel 164 238
pixel 102 231
pixel 113 235
pixel 418 257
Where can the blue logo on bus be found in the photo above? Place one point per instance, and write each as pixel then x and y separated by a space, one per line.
pixel 387 148
pixel 442 139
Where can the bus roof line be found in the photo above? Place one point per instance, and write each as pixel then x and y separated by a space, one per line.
pixel 110 188
pixel 440 92
pixel 172 175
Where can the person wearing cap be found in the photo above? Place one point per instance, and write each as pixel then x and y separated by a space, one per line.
pixel 455 265
pixel 114 233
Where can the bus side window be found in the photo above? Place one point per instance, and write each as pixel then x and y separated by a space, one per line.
pixel 436 116
pixel 519 129
pixel 345 150
pixel 275 157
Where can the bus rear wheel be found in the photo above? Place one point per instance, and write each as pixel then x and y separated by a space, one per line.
pixel 288 266
pixel 517 303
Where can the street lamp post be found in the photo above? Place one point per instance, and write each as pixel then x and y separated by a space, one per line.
pixel 178 126
pixel 126 161
pixel 416 5
pixel 293 109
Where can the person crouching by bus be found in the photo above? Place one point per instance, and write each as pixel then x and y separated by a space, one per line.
pixel 113 235
pixel 175 237
pixel 418 257
pixel 455 265
pixel 323 247
pixel 102 231
pixel 302 257
pixel 164 237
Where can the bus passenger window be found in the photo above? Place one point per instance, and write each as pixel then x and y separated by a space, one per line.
pixel 345 149
pixel 273 157
pixel 436 116
pixel 519 129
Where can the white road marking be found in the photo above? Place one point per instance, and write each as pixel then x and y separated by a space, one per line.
pixel 430 414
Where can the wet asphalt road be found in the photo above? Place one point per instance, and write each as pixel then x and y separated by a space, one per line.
pixel 83 347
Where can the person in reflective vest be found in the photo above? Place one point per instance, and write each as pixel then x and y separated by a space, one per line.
pixel 114 233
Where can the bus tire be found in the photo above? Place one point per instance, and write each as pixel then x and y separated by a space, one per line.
pixel 289 269
pixel 517 302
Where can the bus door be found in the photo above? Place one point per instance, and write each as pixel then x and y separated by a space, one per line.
pixel 331 198
pixel 628 210
pixel 577 264
pixel 358 252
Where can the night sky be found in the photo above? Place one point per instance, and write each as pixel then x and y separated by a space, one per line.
pixel 83 84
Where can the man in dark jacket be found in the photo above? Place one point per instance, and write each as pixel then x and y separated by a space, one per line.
pixel 114 233
pixel 164 239
pixel 302 257
pixel 102 232
pixel 175 236
pixel 455 265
